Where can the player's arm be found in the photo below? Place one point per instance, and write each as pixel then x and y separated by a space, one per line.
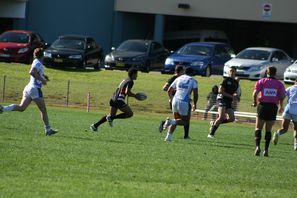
pixel 33 72
pixel 46 77
pixel 281 104
pixel 224 93
pixel 195 98
pixel 130 93
pixel 255 98
pixel 166 86
pixel 170 92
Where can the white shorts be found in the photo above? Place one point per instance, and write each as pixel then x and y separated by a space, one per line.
pixel 288 116
pixel 32 92
pixel 180 107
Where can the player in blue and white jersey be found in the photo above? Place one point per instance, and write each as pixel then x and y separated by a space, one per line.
pixel 183 86
pixel 32 92
pixel 289 114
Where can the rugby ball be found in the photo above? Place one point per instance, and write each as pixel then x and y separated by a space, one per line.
pixel 141 96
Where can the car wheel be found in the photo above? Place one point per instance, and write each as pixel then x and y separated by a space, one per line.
pixel 84 64
pixel 97 65
pixel 146 67
pixel 207 71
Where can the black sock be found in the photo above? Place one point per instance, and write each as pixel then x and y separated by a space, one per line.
pixel 213 130
pixel 186 130
pixel 101 121
pixel 258 135
pixel 267 139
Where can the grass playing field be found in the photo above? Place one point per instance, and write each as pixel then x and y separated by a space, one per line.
pixel 131 159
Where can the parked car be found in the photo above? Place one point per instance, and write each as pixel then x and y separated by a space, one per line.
pixel 206 58
pixel 18 45
pixel 146 55
pixel 74 51
pixel 290 74
pixel 252 62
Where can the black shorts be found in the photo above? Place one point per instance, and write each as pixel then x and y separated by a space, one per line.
pixel 225 103
pixel 267 111
pixel 117 103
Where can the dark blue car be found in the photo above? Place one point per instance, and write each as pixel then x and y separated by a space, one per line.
pixel 206 58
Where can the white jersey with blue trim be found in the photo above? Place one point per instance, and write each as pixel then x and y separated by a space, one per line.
pixel 184 86
pixel 291 92
pixel 39 68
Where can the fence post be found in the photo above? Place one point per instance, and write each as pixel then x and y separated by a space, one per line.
pixel 3 90
pixel 67 97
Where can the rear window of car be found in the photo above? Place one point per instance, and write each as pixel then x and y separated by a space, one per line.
pixel 254 54
pixel 14 37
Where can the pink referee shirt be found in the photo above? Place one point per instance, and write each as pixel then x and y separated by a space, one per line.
pixel 271 90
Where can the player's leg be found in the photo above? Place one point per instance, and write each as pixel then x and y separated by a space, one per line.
pixel 103 119
pixel 258 135
pixel 218 121
pixel 44 116
pixel 268 129
pixel 295 134
pixel 26 101
pixel 207 108
pixel 283 130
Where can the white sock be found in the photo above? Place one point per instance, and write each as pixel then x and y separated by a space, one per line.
pixel 9 107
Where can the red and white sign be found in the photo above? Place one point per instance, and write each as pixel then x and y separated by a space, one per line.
pixel 266 10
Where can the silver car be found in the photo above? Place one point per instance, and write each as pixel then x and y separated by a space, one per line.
pixel 290 74
pixel 252 62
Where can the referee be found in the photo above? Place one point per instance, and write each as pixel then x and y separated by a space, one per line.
pixel 271 93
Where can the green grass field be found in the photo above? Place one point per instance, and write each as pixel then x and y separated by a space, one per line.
pixel 131 159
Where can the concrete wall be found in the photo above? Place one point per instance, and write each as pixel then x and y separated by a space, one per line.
pixel 12 8
pixel 281 10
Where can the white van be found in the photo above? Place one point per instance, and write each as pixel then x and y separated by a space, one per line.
pixel 176 39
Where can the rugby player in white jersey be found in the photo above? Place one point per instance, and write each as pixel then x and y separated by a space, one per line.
pixel 183 86
pixel 32 92
pixel 290 113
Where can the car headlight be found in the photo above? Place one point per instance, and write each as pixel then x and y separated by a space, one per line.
pixel 197 63
pixel 256 68
pixel 47 54
pixel 138 58
pixel 23 50
pixel 288 69
pixel 78 56
pixel 109 58
pixel 169 61
pixel 227 66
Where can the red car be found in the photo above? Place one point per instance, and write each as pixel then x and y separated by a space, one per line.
pixel 18 45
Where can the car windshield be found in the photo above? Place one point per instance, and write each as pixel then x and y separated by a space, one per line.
pixel 135 46
pixel 14 37
pixel 254 54
pixel 69 43
pixel 195 50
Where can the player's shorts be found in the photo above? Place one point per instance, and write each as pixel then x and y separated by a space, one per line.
pixel 32 92
pixel 118 103
pixel 181 107
pixel 225 103
pixel 288 116
pixel 267 111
